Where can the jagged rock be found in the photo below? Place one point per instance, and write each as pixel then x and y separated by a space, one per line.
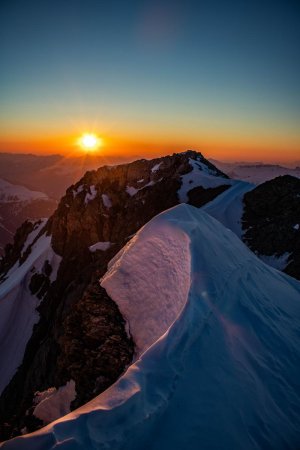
pixel 271 220
pixel 199 196
pixel 13 252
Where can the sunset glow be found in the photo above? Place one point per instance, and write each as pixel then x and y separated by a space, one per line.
pixel 90 142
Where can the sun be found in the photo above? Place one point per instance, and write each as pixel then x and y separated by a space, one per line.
pixel 90 142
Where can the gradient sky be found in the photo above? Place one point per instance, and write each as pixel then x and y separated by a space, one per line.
pixel 152 76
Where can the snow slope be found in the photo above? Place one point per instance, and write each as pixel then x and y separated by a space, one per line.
pixel 224 375
pixel 18 306
pixel 227 207
pixel 14 193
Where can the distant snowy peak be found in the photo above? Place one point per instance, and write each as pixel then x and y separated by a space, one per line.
pixel 14 193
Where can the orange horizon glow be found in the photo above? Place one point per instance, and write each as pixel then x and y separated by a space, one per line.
pixel 226 149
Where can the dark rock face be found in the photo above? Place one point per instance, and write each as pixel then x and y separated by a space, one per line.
pixel 271 220
pixel 199 196
pixel 95 329
pixel 81 333
pixel 40 282
pixel 13 252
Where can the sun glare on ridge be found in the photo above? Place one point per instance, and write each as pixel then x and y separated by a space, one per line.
pixel 90 142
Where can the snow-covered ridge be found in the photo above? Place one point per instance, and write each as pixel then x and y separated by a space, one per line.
pixel 224 374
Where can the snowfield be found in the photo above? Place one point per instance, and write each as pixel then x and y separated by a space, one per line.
pixel 223 374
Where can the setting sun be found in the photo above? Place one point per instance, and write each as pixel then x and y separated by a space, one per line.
pixel 90 142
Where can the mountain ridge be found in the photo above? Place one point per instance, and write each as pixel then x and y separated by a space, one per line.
pixel 59 350
pixel 233 343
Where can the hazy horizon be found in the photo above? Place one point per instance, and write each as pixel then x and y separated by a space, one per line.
pixel 119 158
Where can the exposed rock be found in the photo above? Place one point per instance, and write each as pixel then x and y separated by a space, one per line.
pixel 13 251
pixel 270 219
pixel 199 196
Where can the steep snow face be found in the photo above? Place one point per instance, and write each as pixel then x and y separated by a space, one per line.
pixel 226 372
pixel 18 306
pixel 201 175
pixel 150 280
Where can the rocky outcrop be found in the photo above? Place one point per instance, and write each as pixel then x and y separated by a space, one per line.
pixel 199 196
pixel 271 220
pixel 81 334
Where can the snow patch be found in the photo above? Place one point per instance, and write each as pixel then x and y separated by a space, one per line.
pixel 296 227
pixel 54 403
pixel 103 246
pixel 132 190
pixel 156 167
pixel 90 195
pixel 278 262
pixel 78 190
pixel 106 201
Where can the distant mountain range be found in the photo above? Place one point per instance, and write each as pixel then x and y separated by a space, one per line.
pixel 256 173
